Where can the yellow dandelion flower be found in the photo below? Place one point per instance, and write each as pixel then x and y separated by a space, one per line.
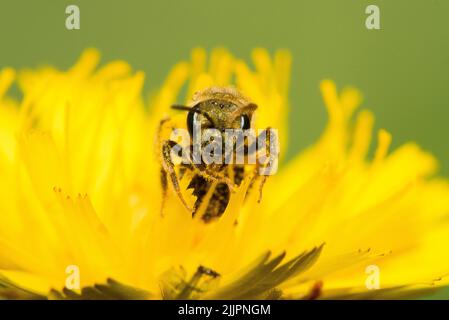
pixel 81 195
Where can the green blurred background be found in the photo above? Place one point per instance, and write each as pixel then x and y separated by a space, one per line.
pixel 401 69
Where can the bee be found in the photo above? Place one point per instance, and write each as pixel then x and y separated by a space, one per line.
pixel 221 109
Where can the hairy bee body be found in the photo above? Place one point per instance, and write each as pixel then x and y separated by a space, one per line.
pixel 218 193
pixel 212 183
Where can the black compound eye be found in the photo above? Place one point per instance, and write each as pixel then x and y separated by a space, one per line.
pixel 197 120
pixel 245 122
pixel 192 117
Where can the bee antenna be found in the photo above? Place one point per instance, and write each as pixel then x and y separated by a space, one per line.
pixel 246 109
pixel 186 108
pixel 180 107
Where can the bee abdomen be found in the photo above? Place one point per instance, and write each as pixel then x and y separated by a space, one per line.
pixel 239 172
pixel 218 201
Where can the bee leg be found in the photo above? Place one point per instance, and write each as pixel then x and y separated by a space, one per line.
pixel 210 174
pixel 261 185
pixel 256 176
pixel 163 172
pixel 169 168
pixel 164 186
pixel 262 165
pixel 216 176
pixel 158 137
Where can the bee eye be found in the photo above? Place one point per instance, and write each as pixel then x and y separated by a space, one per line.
pixel 192 117
pixel 245 123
